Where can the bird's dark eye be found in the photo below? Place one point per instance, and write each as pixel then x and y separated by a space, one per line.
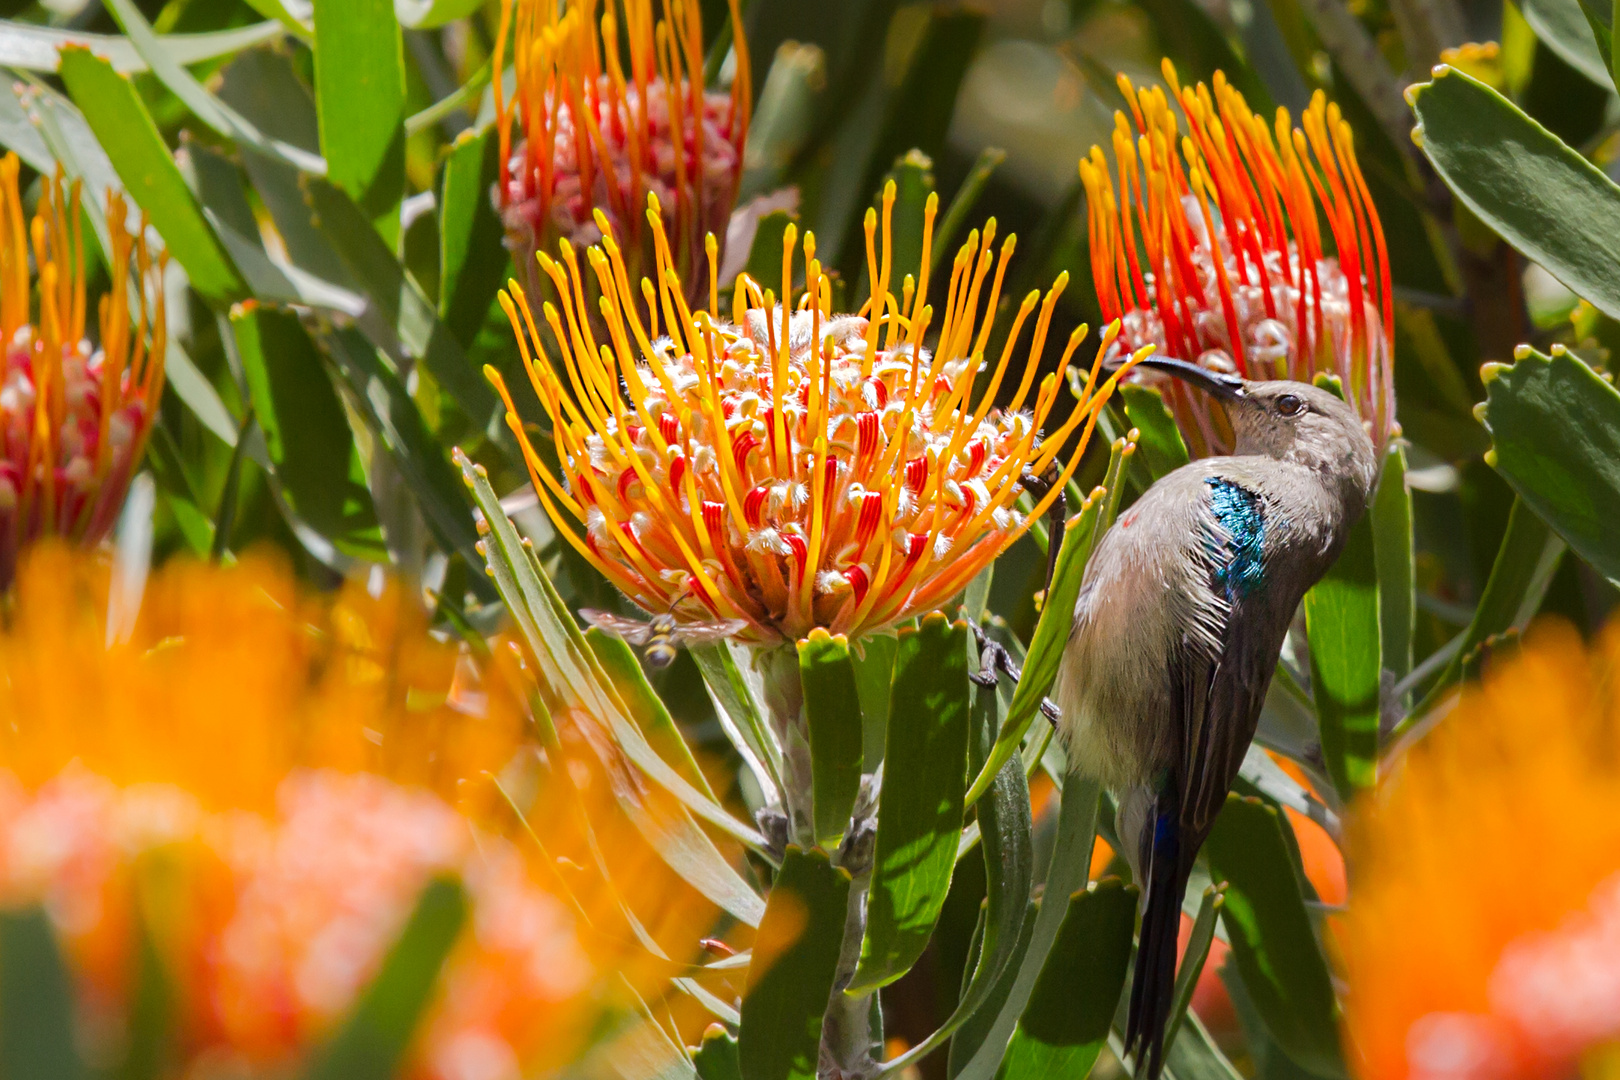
pixel 1290 405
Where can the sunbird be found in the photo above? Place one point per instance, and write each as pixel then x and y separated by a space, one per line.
pixel 1180 619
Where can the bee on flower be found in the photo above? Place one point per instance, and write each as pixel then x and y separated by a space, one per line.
pixel 74 417
pixel 1483 936
pixel 1209 244
pixel 599 139
pixel 790 467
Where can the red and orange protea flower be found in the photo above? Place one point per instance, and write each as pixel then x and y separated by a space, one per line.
pixel 1483 936
pixel 1211 248
pixel 793 468
pixel 599 138
pixel 264 782
pixel 73 418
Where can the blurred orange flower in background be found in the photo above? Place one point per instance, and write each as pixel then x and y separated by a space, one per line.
pixel 1463 961
pixel 262 784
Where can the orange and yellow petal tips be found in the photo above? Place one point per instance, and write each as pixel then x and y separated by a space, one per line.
pixel 254 787
pixel 789 466
pixel 73 418
pixel 1247 247
pixel 596 136
pixel 1483 936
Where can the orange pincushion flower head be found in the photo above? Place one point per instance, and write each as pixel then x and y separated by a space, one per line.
pixel 1464 961
pixel 1212 249
pixel 73 420
pixel 597 137
pixel 295 771
pixel 793 468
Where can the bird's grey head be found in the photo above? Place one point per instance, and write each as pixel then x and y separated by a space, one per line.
pixel 1290 421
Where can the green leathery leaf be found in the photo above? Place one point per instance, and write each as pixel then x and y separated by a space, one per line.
pixel 1523 569
pixel 360 98
pixel 1342 625
pixel 225 513
pixel 1271 936
pixel 1066 873
pixel 1393 543
pixel 765 255
pixel 567 669
pixel 1065 1025
pixel 1194 1056
pixel 1566 30
pixel 36 1000
pixel 373 1039
pixel 794 963
pixel 735 705
pixel 28 47
pixel 1192 960
pixel 470 234
pixel 398 317
pixel 913 176
pixel 1555 431
pixel 832 710
pixel 874 673
pixel 125 130
pixel 306 431
pixel 717 1058
pixel 920 807
pixel 1159 446
pixel 647 709
pixel 1057 616
pixel 1538 194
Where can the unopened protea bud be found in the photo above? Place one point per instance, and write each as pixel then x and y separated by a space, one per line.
pixel 791 467
pixel 1212 248
pixel 597 138
pixel 73 418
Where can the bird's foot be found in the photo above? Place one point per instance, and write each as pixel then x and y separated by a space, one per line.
pixel 995 661
pixel 1039 487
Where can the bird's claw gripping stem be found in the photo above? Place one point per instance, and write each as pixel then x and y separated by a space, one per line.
pixel 994 661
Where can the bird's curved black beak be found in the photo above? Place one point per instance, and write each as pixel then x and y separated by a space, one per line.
pixel 1226 387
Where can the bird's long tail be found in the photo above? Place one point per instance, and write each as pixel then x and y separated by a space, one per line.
pixel 1166 864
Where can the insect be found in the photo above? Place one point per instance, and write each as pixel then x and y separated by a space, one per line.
pixel 661 635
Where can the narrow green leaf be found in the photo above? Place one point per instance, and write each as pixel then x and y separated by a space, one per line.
pixel 1271 936
pixel 203 105
pixel 427 14
pixel 398 317
pixel 373 1039
pixel 1524 567
pixel 567 669
pixel 1198 46
pixel 920 808
pixel 739 712
pixel 1194 1056
pixel 36 1000
pixel 360 96
pixel 832 709
pixel 1536 193
pixel 306 430
pixel 1066 873
pixel 874 675
pixel 1341 623
pixel 1065 1025
pixel 1160 447
pixel 962 203
pixel 765 256
pixel 1555 434
pixel 1057 617
pixel 1393 542
pixel 1192 960
pixel 225 515
pixel 618 660
pixel 125 129
pixel 913 176
pixel 470 234
pixel 791 975
pixel 28 47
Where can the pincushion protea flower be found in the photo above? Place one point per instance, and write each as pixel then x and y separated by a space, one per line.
pixel 792 468
pixel 597 138
pixel 266 782
pixel 1483 936
pixel 1211 248
pixel 73 419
